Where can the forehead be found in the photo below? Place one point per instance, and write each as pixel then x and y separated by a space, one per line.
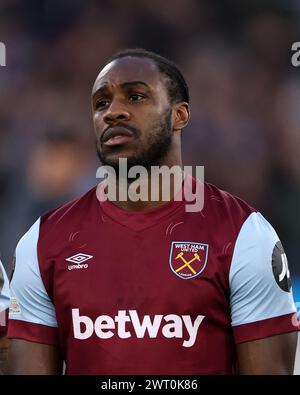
pixel 129 69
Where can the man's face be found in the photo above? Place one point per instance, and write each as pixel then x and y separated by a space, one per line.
pixel 131 113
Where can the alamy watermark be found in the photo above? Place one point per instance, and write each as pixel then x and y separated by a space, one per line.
pixel 160 183
pixel 296 55
pixel 2 54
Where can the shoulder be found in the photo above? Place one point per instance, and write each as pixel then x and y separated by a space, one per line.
pixel 72 211
pixel 228 203
pixel 225 211
pixel 53 227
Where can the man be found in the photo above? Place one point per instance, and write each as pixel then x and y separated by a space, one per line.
pixel 4 303
pixel 141 286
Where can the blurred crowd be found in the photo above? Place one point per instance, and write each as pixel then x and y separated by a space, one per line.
pixel 245 99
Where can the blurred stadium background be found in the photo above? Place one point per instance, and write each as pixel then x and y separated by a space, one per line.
pixel 245 94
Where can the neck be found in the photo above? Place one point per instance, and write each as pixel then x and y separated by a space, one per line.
pixel 154 187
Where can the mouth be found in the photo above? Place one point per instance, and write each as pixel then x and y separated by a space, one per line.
pixel 116 136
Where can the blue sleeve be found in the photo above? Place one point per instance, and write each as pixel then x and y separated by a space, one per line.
pixel 29 299
pixel 259 277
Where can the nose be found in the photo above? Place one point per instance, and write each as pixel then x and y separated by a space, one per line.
pixel 115 113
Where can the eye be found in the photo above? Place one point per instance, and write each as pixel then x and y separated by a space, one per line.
pixel 100 104
pixel 136 97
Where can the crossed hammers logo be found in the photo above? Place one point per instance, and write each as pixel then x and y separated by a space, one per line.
pixel 187 263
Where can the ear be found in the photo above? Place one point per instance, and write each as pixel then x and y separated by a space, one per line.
pixel 181 115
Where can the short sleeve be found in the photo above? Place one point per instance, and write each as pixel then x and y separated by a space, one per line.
pixel 32 314
pixel 261 297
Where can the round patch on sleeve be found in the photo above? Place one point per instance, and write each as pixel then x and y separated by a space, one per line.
pixel 280 268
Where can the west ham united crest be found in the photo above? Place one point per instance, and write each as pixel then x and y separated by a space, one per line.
pixel 188 259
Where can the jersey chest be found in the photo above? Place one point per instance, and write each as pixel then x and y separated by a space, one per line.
pixel 102 270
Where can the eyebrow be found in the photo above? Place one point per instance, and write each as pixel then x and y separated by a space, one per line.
pixel 127 84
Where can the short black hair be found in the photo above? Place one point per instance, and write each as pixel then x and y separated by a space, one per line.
pixel 176 85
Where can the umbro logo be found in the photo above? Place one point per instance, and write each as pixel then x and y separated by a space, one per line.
pixel 78 260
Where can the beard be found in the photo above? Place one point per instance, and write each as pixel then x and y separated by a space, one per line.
pixel 153 151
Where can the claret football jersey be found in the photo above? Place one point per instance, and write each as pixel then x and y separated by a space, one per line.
pixel 159 291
